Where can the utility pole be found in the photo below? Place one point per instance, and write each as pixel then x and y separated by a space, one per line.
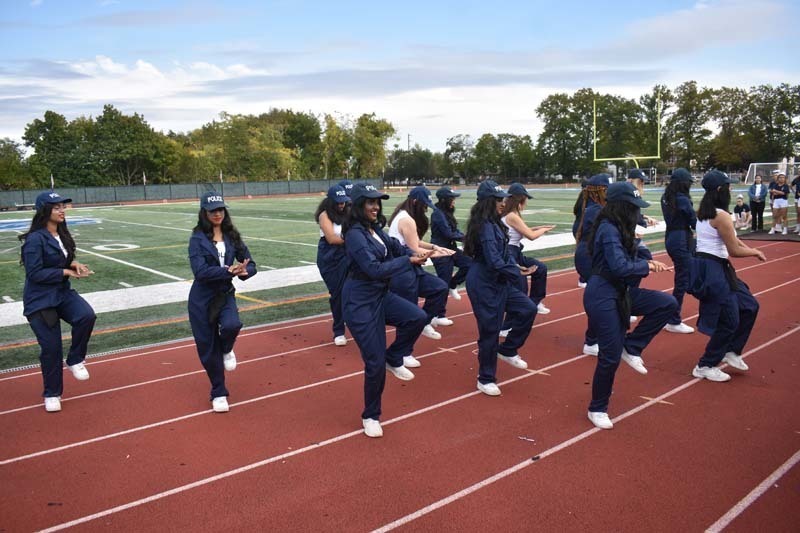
pixel 409 142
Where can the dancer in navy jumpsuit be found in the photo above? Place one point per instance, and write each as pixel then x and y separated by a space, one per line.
pixel 369 305
pixel 609 302
pixel 48 254
pixel 217 254
pixel 445 233
pixel 331 257
pixel 493 288
pixel 678 211
pixel 728 310
pixel 593 200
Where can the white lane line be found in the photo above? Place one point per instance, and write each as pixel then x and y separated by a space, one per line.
pixel 128 285
pixel 245 237
pixel 8 299
pixel 306 262
pixel 140 267
pixel 339 438
pixel 555 449
pixel 754 494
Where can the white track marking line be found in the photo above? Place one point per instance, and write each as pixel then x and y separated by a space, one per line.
pixel 140 267
pixel 128 285
pixel 425 510
pixel 566 444
pixel 307 262
pixel 754 494
pixel 8 299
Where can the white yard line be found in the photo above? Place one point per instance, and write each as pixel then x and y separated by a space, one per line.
pixel 134 265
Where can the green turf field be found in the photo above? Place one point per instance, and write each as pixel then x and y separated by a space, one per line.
pixel 280 233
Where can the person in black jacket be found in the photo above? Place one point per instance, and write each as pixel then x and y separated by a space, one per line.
pixel 445 233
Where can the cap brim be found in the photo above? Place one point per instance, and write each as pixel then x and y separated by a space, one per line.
pixel 639 202
pixel 342 199
pixel 375 194
pixel 214 206
pixel 501 194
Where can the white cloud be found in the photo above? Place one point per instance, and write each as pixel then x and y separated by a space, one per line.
pixel 36 3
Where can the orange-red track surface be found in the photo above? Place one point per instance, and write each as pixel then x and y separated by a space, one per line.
pixel 137 448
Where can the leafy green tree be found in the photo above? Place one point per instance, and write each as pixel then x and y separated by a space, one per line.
pixel 689 124
pixel 460 155
pixel 369 145
pixel 337 143
pixel 14 173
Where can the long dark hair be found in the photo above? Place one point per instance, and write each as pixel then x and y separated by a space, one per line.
pixel 417 211
pixel 484 211
pixel 39 221
pixel 595 193
pixel 444 205
pixel 624 215
pixel 358 217
pixel 328 207
pixel 670 197
pixel 228 229
pixel 719 198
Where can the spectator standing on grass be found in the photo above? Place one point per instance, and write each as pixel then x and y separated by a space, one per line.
pixel 612 295
pixel 217 254
pixel 408 224
pixel 741 213
pixel 369 305
pixel 728 310
pixel 493 287
pixel 679 215
pixel 48 255
pixel 445 233
pixel 779 192
pixel 517 229
pixel 331 257
pixel 758 195
pixel 592 200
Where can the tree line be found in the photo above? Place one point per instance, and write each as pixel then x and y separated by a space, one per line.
pixel 700 128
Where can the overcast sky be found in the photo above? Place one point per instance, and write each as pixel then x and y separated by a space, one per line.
pixel 434 68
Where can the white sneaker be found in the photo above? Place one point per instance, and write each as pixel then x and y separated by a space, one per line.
pixel 591 349
pixel 736 361
pixel 581 284
pixel 600 420
pixel 505 332
pixel 772 231
pixel 710 373
pixel 431 333
pixel 785 231
pixel 340 340
pixel 797 230
pixel 454 294
pixel 52 404
pixel 490 389
pixel 634 319
pixel 372 428
pixel 400 372
pixel 634 361
pixel 441 321
pixel 679 328
pixel 410 361
pixel 79 371
pixel 541 309
pixel 229 361
pixel 516 361
pixel 220 404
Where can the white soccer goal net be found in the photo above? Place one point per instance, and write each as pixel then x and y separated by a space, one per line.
pixel 767 170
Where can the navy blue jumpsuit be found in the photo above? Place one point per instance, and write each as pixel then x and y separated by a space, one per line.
pixel 601 301
pixel 211 280
pixel 369 306
pixel 46 288
pixel 446 235
pixel 492 287
pixel 679 241
pixel 583 261
pixel 333 265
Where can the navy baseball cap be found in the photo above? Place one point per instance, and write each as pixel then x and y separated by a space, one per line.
pixel 212 200
pixel 599 180
pixel 421 193
pixel 681 175
pixel 714 179
pixel 447 192
pixel 365 190
pixel 51 197
pixel 347 185
pixel 490 188
pixel 338 194
pixel 622 191
pixel 635 174
pixel 518 189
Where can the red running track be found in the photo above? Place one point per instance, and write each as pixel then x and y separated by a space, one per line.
pixel 137 448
